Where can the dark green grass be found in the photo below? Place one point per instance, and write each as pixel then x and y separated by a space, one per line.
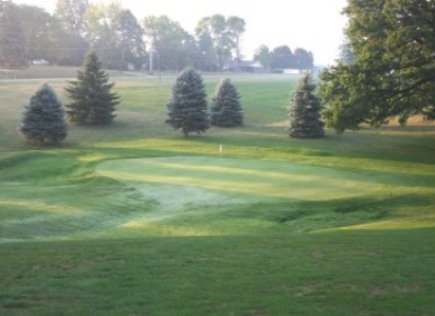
pixel 359 273
pixel 354 235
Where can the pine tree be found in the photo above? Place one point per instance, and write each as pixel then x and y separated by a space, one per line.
pixel 187 110
pixel 226 110
pixel 44 118
pixel 304 111
pixel 92 100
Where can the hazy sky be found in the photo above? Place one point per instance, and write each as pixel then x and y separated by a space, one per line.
pixel 312 24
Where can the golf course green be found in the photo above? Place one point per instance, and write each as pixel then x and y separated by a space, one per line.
pixel 136 219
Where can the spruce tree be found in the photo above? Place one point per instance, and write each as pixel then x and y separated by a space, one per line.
pixel 304 111
pixel 187 110
pixel 93 102
pixel 44 118
pixel 226 110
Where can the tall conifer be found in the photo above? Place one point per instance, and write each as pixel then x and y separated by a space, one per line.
pixel 304 111
pixel 226 110
pixel 187 110
pixel 92 101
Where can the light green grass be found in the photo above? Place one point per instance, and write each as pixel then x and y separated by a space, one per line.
pixel 135 219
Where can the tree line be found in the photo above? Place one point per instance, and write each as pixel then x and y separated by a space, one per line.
pixel 30 33
pixel 282 57
pixel 386 71
pixel 91 102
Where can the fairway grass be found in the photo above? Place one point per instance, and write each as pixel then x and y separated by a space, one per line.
pixel 135 219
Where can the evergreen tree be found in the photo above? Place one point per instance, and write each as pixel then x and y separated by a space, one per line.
pixel 226 110
pixel 92 100
pixel 304 111
pixel 187 110
pixel 43 119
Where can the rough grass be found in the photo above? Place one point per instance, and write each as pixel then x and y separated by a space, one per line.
pixel 135 219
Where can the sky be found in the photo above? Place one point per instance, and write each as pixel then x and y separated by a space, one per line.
pixel 316 25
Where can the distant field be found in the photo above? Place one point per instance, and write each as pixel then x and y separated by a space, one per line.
pixel 135 219
pixel 49 72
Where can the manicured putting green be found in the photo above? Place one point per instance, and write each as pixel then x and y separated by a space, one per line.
pixel 177 181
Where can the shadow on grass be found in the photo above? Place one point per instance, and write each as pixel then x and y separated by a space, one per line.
pixel 312 215
pixel 232 219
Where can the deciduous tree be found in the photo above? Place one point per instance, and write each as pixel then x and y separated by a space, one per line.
pixel 282 58
pixel 71 13
pixel 129 38
pixel 393 73
pixel 304 60
pixel 207 53
pixel 12 39
pixel 216 27
pixel 167 38
pixel 236 27
pixel 115 35
pixel 263 55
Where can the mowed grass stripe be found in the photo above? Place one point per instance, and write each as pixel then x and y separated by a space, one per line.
pixel 250 178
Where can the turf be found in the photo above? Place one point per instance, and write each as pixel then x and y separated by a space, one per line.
pixel 136 219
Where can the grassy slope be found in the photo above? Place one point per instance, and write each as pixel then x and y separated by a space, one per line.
pixel 102 234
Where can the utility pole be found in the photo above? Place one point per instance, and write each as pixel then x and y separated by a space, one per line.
pixel 151 60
